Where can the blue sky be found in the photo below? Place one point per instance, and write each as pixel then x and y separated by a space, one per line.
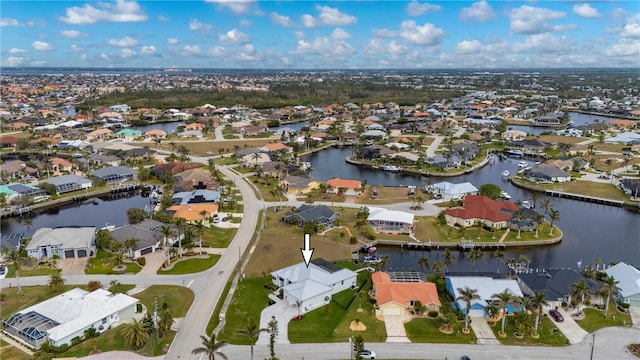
pixel 320 35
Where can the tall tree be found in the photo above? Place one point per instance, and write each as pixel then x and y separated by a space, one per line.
pixel 579 291
pixel 475 255
pixel 467 295
pixel 252 331
pixel 130 244
pixel 167 231
pixel 554 215
pixel 56 281
pixel 449 259
pixel 537 301
pixel 609 285
pixel 423 262
pixel 136 333
pixel 272 329
pixel 534 198
pixel 539 222
pixel 504 298
pixel 358 347
pixel 210 347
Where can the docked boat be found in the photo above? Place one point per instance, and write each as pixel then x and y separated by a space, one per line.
pixel 514 153
pixel 522 164
pixel 372 259
pixel 391 168
pixel 108 227
pixel 505 173
pixel 505 195
pixel 526 204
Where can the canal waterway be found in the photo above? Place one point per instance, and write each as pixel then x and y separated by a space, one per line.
pixel 590 230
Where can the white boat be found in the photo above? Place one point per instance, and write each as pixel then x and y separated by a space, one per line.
pixel 391 168
pixel 372 259
pixel 505 195
pixel 523 164
pixel 505 173
pixel 526 204
pixel 109 227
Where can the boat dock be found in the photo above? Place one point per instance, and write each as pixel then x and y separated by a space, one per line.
pixel 587 198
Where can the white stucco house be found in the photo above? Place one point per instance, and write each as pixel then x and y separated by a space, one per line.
pixel 314 285
pixel 452 191
pixel 64 242
pixel 68 315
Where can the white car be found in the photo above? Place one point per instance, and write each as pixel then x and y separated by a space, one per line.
pixel 367 354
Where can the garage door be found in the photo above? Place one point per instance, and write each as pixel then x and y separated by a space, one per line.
pixel 68 254
pixel 392 311
pixel 476 313
pixel 146 251
pixel 82 253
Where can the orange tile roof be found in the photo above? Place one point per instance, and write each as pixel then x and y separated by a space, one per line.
pixel 482 207
pixel 276 146
pixel 191 212
pixel 344 183
pixel 403 292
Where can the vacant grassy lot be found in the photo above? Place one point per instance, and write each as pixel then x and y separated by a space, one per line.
pixel 200 148
pixel 177 298
pixel 387 195
pixel 249 299
pixel 603 190
pixel 101 264
pixel 216 237
pixel 556 139
pixel 191 266
pixel 608 147
pixel 547 337
pixel 12 353
pixel 617 161
pixel 426 330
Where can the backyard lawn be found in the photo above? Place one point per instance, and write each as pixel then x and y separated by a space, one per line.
pixel 191 265
pixel 547 331
pixel 603 190
pixel 217 237
pixel 12 353
pixel 177 298
pixel 101 264
pixel 248 301
pixel 426 330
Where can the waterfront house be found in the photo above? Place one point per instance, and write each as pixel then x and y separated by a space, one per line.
pixel 299 185
pixel 196 196
pixel 193 213
pixel 374 134
pixel 15 190
pixel 398 298
pixel 312 286
pixel 390 221
pixel 486 286
pixel 172 168
pixel 196 178
pixel 128 134
pixel 628 287
pixel 451 191
pixel 310 214
pixel 113 174
pixel 478 209
pixel 255 159
pixel 68 183
pixel 344 186
pixel 276 148
pixel 102 133
pixel 155 134
pixel 274 169
pixel 556 284
pixel 547 173
pixel 64 317
pixel 627 137
pixel 65 242
pixel 8 142
pixel 148 234
pixel 18 169
pixel 631 187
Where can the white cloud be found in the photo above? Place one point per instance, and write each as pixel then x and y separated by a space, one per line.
pixel 105 57
pixel 233 37
pixel 544 43
pixel 379 48
pixel 625 47
pixel 246 22
pixel 586 11
pixel 339 34
pixel 333 17
pixel 191 49
pixel 72 34
pixel 299 34
pixel 281 19
pixel 17 51
pixel 248 53
pixel 479 12
pixel 37 63
pixel 148 50
pixel 76 48
pixel 324 47
pixel 8 22
pixel 13 61
pixel 120 11
pixel 384 33
pixel 631 31
pixel 172 41
pixel 163 18
pixel 218 51
pixel 468 47
pixel 127 53
pixel 236 6
pixel 309 21
pixel 124 42
pixel 425 35
pixel 416 9
pixel 42 46
pixel 195 24
pixel 531 20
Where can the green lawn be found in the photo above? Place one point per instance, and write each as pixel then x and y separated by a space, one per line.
pixel 547 337
pixel 191 266
pixel 595 320
pixel 13 354
pixel 38 271
pixel 178 298
pixel 426 330
pixel 215 317
pixel 249 299
pixel 3 343
pixel 100 264
pixel 218 237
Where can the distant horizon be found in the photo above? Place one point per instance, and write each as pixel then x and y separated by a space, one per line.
pixel 533 69
pixel 302 34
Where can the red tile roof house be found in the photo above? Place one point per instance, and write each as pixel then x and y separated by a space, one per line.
pixel 481 209
pixel 350 187
pixel 399 298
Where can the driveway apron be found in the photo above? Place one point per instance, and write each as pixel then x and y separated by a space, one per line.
pixel 283 313
pixel 483 332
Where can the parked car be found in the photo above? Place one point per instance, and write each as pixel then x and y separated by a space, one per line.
pixel 367 354
pixel 216 220
pixel 555 314
pixel 225 219
pixel 465 357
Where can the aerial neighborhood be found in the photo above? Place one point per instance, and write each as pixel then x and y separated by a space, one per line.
pixel 469 215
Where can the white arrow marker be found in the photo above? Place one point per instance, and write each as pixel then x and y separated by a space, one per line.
pixel 306 251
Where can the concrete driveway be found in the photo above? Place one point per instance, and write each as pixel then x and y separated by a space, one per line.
pixel 569 327
pixel 635 316
pixel 153 262
pixel 483 332
pixel 283 313
pixel 72 266
pixel 395 328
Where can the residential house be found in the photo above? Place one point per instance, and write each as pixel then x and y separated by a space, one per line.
pixel 628 287
pixel 390 221
pixel 276 148
pixel 99 134
pixel 513 134
pixel 128 134
pixel 99 160
pixel 556 284
pixel 627 137
pixel 148 236
pixel 8 142
pixel 68 183
pixel 192 179
pixel 190 134
pixel 530 145
pixel 172 168
pixel 255 159
pixel 155 134
pixel 310 214
pixel 195 197
pixel 310 287
pixel 15 191
pixel 374 134
pixel 398 298
pixel 344 186
pixel 547 173
pixel 572 132
pixel 17 169
pixel 452 191
pixel 478 209
pixel 276 169
pixel 486 287
pixel 114 174
pixel 193 212
pixel 64 317
pixel 299 185
pixel 58 166
pixel 64 242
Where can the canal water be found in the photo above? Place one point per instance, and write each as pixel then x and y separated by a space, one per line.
pixel 590 230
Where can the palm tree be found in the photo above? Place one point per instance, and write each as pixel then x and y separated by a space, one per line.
pixel 438 268
pixel 130 244
pixel 554 215
pixel 56 281
pixel 539 221
pixel 210 347
pixel 252 331
pixel 534 198
pixel 256 157
pixel 609 285
pixel 180 224
pixel 117 258
pixel 492 312
pixel 537 301
pixel 386 261
pixel 579 291
pixel 136 333
pixel 423 262
pixel 449 259
pixel 519 216
pixel 166 231
pixel 546 205
pixel 475 255
pixel 467 295
pixel 504 298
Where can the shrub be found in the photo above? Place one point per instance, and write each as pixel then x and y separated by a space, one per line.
pixel 353 240
pixel 141 261
pixel 625 305
pixel 94 285
pixel 90 333
pixel 76 340
pixel 433 313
